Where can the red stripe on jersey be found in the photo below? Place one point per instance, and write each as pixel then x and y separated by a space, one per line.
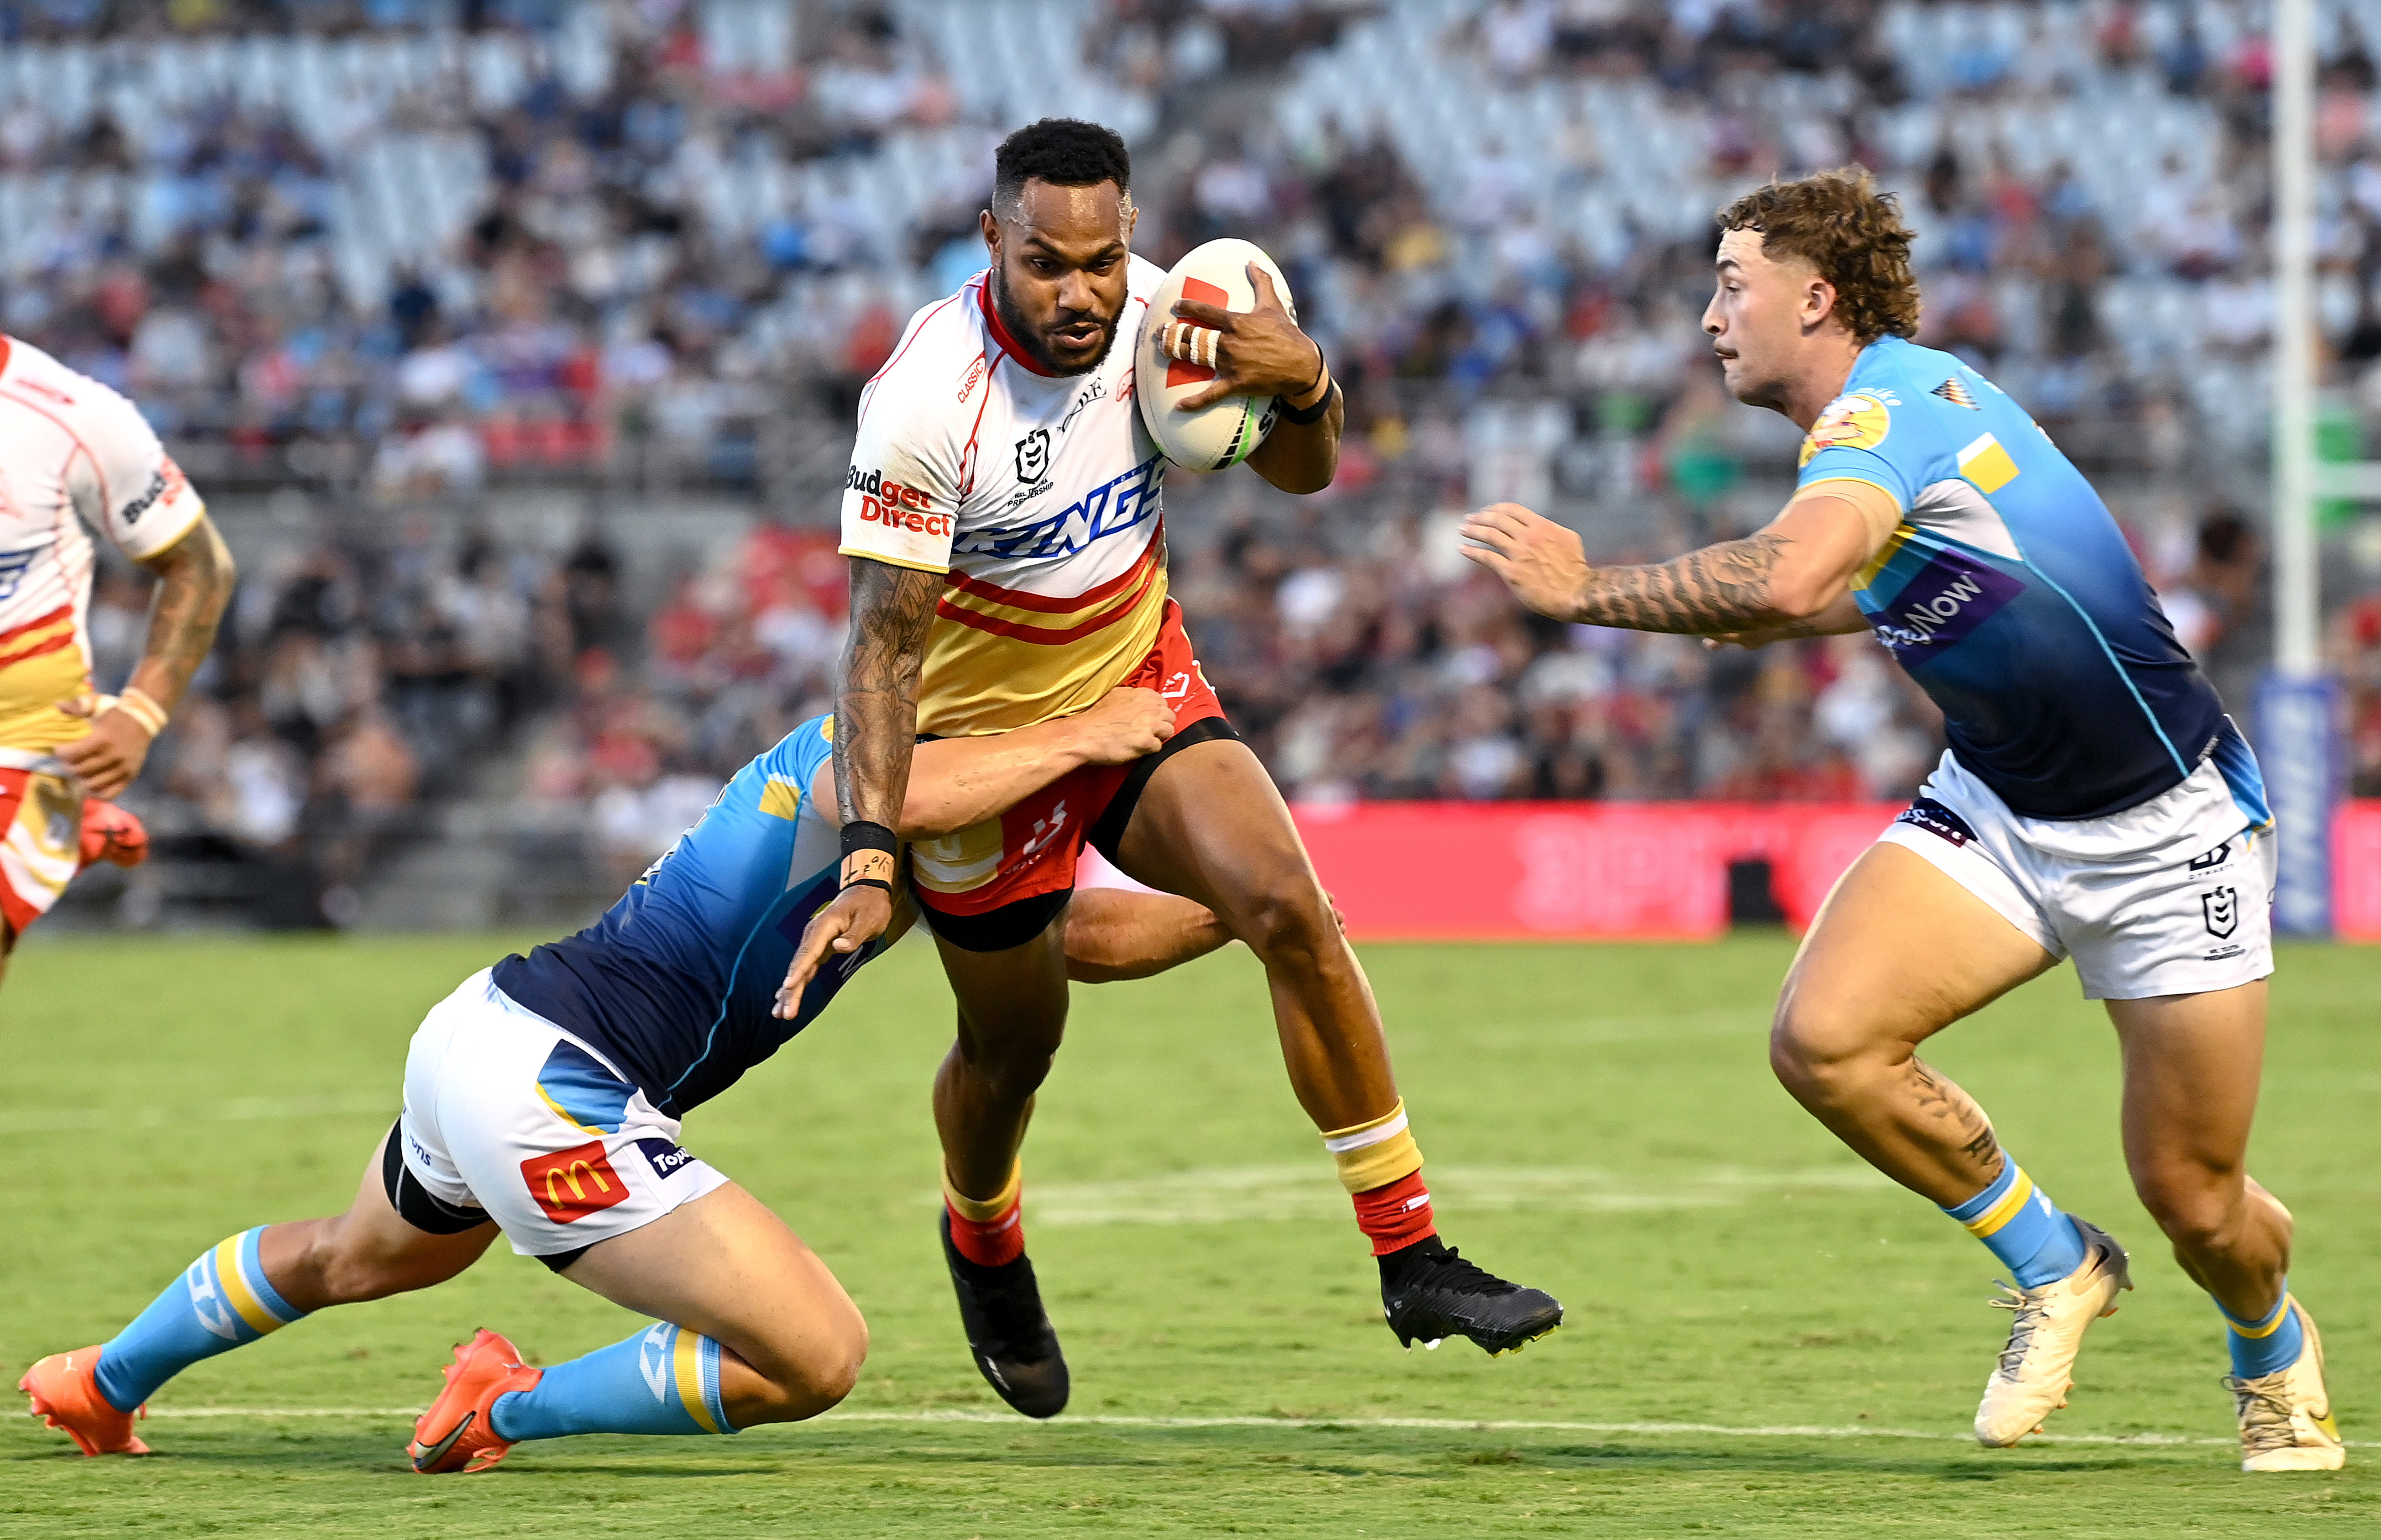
pixel 993 593
pixel 1046 636
pixel 63 612
pixel 52 644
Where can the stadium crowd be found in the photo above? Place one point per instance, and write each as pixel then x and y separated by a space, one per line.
pixel 653 229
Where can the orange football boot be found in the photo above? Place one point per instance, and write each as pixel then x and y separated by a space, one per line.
pixel 111 834
pixel 65 1391
pixel 458 1433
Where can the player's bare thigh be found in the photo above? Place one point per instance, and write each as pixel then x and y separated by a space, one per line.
pixel 1897 952
pixel 1211 826
pixel 368 1253
pixel 725 1266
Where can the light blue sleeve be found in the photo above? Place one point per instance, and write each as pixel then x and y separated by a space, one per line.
pixel 1860 438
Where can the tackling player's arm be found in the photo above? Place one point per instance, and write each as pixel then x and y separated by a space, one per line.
pixel 1793 577
pixel 1262 352
pixel 957 782
pixel 951 783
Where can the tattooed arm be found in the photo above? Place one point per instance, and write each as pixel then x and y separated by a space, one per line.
pixel 1791 578
pixel 195 584
pixel 876 731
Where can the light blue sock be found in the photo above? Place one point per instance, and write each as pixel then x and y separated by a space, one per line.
pixel 220 1302
pixel 661 1380
pixel 2017 1221
pixel 2259 1348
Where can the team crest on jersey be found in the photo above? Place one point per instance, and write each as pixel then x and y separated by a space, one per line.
pixel 1856 421
pixel 1034 455
pixel 1956 394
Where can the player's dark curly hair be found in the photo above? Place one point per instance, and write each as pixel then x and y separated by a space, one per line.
pixel 1851 233
pixel 1066 152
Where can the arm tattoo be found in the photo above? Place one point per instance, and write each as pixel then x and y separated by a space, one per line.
pixel 1722 588
pixel 877 699
pixel 195 577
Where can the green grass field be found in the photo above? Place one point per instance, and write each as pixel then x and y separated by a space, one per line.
pixel 1763 1339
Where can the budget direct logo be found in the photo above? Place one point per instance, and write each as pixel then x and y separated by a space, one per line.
pixel 572 1183
pixel 894 506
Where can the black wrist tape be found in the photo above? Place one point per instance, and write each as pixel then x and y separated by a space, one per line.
pixel 861 835
pixel 1312 415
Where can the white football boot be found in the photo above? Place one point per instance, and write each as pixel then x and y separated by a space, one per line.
pixel 2286 1423
pixel 2031 1378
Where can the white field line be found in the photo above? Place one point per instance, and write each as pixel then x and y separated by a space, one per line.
pixel 237 1110
pixel 1333 1425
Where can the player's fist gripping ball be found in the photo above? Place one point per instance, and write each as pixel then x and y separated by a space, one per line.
pixel 1178 359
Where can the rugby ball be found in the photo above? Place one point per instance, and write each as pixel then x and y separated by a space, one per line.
pixel 1229 432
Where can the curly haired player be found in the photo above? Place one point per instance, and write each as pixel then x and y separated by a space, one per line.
pixel 2095 802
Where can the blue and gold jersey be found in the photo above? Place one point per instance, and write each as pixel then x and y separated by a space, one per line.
pixel 675 983
pixel 2010 596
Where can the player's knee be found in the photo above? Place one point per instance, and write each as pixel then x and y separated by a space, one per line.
pixel 1289 924
pixel 814 1375
pixel 2197 1210
pixel 348 1267
pixel 1818 1053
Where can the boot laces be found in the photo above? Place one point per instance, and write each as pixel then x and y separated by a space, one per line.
pixel 1454 1274
pixel 2265 1413
pixel 2030 1308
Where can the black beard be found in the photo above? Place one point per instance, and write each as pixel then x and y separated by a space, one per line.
pixel 1031 340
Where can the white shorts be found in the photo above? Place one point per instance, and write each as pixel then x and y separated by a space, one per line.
pixel 2174 897
pixel 507 1112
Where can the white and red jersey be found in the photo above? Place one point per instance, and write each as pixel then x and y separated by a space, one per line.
pixel 72 453
pixel 1036 495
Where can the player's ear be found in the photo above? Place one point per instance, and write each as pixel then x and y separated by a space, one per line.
pixel 991 235
pixel 1818 302
pixel 1131 218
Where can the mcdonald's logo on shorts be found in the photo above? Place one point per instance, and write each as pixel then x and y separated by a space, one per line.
pixel 572 1183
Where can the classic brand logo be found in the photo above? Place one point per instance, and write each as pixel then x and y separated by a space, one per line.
pixel 969 381
pixel 1033 455
pixel 1949 597
pixel 2221 908
pixel 654 1358
pixel 2212 859
pixel 895 506
pixel 572 1183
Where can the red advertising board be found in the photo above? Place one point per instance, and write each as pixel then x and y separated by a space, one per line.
pixel 1460 870
pixel 1463 869
pixel 2356 872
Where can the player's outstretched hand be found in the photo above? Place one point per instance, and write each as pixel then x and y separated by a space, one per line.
pixel 105 759
pixel 857 917
pixel 1129 723
pixel 1541 561
pixel 1258 352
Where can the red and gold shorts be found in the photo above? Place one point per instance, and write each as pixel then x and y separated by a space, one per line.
pixel 42 847
pixel 996 884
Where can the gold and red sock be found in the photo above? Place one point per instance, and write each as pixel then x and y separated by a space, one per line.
pixel 990 1232
pixel 1381 1167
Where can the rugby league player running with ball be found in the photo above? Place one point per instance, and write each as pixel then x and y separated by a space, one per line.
pixel 1002 516
pixel 2094 802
